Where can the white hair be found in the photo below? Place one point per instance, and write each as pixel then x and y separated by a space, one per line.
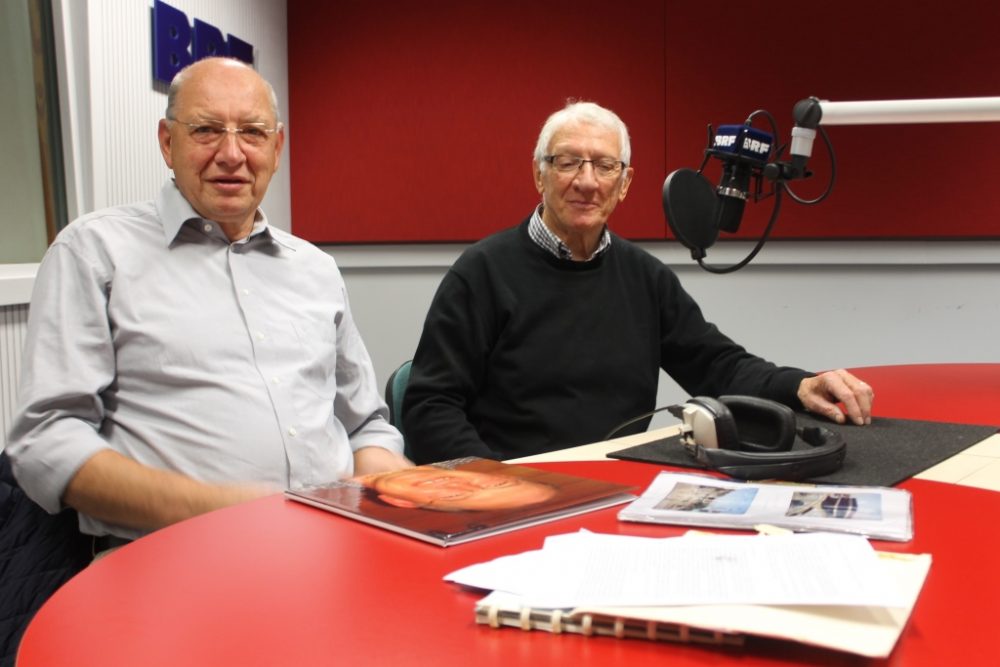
pixel 587 113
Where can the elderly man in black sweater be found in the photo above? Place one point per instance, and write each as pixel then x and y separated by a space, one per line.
pixel 549 334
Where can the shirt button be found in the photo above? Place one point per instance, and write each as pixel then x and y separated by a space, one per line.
pixel 276 380
pixel 246 292
pixel 207 227
pixel 292 432
pixel 260 336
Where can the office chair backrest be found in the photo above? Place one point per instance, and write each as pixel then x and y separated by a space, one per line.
pixel 395 389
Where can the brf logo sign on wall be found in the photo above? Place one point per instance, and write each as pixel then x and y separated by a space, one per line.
pixel 172 37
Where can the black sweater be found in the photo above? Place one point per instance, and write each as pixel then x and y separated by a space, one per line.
pixel 523 353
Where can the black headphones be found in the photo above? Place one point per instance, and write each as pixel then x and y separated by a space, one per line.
pixel 751 438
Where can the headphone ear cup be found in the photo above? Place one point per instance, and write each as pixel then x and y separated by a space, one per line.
pixel 726 434
pixel 762 425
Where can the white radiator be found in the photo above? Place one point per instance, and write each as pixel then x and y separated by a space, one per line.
pixel 13 328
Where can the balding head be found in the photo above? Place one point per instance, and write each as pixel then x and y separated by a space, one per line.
pixel 195 67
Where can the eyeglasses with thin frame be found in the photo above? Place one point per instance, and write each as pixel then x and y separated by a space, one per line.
pixel 211 132
pixel 604 167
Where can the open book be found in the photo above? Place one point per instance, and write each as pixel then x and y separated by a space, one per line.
pixel 864 630
pixel 699 500
pixel 461 500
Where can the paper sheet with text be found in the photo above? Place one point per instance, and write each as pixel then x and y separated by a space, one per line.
pixel 588 569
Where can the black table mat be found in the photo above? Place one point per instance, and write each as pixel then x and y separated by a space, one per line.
pixel 884 453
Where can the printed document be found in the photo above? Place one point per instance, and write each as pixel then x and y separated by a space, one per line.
pixel 588 569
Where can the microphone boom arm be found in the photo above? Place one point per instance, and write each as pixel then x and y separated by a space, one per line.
pixel 897 112
pixel 812 112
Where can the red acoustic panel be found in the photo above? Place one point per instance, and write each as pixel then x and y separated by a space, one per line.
pixel 416 121
pixel 930 180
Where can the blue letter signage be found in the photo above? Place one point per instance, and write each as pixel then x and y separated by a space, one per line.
pixel 172 35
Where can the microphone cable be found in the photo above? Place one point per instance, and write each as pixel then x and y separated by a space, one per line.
pixel 833 173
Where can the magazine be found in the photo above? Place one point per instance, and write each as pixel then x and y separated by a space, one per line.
pixel 699 500
pixel 461 500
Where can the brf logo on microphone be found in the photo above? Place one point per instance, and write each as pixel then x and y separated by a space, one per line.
pixel 172 37
pixel 743 140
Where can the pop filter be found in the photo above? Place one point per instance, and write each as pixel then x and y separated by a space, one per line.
pixel 692 209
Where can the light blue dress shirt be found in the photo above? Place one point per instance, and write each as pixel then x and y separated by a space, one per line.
pixel 152 334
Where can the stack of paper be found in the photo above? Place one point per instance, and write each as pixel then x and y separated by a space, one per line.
pixel 822 589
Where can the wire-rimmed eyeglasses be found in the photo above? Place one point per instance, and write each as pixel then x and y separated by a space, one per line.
pixel 604 167
pixel 211 132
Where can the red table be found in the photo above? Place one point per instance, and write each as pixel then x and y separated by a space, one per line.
pixel 273 582
pixel 960 393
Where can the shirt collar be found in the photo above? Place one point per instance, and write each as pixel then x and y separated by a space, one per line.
pixel 175 211
pixel 544 238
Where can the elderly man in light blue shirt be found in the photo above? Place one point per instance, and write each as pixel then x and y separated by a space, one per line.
pixel 183 354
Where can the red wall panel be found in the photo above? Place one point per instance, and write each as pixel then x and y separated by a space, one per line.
pixel 415 121
pixel 893 180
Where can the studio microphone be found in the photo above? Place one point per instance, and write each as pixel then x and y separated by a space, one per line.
pixel 743 150
pixel 697 212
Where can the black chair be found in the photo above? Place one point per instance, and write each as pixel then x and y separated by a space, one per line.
pixel 395 389
pixel 39 552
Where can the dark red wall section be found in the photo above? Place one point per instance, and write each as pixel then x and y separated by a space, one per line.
pixel 415 121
